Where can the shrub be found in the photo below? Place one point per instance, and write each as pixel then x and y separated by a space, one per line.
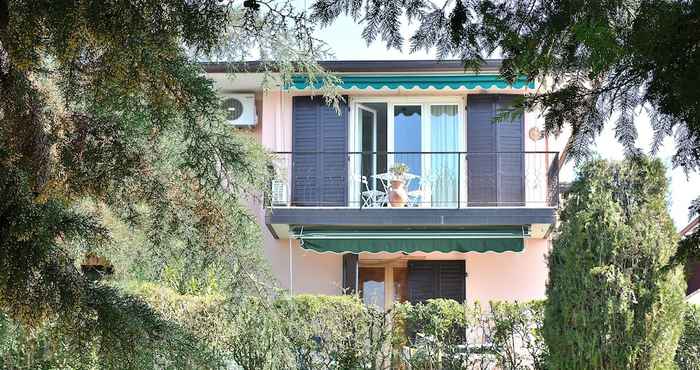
pixel 334 332
pixel 688 352
pixel 255 338
pixel 612 303
pixel 179 320
pixel 515 335
pixel 432 332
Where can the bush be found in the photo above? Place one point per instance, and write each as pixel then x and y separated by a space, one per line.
pixel 430 335
pixel 443 334
pixel 178 321
pixel 612 301
pixel 334 332
pixel 516 335
pixel 256 337
pixel 688 352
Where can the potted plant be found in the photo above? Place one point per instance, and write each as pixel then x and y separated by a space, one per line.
pixel 398 196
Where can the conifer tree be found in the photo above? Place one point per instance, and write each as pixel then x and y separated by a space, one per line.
pixel 612 303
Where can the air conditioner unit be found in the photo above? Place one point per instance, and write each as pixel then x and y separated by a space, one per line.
pixel 240 109
pixel 279 193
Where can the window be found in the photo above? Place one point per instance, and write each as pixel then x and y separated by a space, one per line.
pixel 371 284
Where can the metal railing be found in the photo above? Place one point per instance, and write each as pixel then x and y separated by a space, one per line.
pixel 430 179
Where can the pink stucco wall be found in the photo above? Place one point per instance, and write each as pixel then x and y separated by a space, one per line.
pixel 508 276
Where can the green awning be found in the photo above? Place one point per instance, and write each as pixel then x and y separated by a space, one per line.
pixel 456 82
pixel 409 241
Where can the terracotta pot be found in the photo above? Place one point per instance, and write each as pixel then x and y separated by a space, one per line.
pixel 398 197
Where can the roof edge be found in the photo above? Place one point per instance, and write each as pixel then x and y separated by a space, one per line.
pixel 340 66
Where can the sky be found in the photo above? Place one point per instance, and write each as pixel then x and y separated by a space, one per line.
pixel 344 39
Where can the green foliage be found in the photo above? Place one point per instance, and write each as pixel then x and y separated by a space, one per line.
pixel 433 331
pixel 516 335
pixel 132 336
pixel 688 352
pixel 256 339
pixel 442 334
pixel 596 58
pixel 612 300
pixel 112 141
pixel 328 332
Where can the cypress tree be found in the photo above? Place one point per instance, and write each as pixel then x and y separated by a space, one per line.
pixel 613 302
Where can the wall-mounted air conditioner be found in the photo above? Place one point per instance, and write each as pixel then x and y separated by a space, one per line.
pixel 280 196
pixel 240 109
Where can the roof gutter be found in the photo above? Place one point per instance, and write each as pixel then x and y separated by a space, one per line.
pixel 353 66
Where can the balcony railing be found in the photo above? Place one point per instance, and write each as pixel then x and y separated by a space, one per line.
pixel 431 179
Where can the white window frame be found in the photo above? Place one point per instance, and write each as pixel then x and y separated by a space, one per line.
pixel 425 101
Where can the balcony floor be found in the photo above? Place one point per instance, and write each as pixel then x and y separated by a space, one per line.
pixel 280 219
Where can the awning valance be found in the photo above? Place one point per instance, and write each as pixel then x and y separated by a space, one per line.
pixel 409 241
pixel 456 82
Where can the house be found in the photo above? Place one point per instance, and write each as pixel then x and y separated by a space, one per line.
pixel 693 267
pixel 425 183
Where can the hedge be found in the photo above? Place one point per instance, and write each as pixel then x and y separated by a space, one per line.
pixel 339 332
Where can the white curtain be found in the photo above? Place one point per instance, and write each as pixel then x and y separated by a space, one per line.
pixel 444 137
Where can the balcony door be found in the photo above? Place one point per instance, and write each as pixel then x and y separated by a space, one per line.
pixel 424 133
pixel 369 129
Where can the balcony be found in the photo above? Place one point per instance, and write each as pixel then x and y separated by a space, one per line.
pixel 445 189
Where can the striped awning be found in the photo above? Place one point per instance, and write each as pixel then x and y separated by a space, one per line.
pixel 456 82
pixel 510 239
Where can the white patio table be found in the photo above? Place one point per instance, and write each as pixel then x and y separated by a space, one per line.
pixel 386 177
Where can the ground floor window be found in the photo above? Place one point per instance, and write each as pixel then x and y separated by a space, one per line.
pixel 371 285
pixel 382 283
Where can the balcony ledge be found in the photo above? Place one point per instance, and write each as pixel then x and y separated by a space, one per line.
pixel 279 219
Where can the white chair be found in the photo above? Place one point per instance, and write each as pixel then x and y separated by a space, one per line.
pixel 416 196
pixel 371 198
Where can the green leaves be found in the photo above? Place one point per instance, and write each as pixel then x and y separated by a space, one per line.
pixel 104 106
pixel 612 302
pixel 596 60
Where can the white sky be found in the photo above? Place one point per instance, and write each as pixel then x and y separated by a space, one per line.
pixel 344 38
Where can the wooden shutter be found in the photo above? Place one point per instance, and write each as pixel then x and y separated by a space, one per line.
pixel 436 279
pixel 495 173
pixel 350 273
pixel 421 281
pixel 511 163
pixel 481 148
pixel 319 178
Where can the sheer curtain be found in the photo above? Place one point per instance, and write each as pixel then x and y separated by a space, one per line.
pixel 444 137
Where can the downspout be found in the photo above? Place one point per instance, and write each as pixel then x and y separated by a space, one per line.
pixel 291 273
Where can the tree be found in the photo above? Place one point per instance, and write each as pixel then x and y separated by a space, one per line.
pixel 106 102
pixel 611 301
pixel 599 59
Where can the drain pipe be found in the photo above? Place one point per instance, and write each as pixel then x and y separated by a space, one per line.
pixel 291 274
